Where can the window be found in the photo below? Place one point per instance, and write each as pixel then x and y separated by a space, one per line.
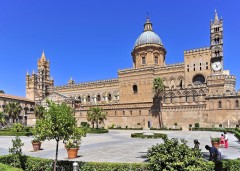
pixel 143 60
pixel 164 99
pixel 115 113
pixel 135 89
pixel 198 79
pixel 98 98
pixel 219 104
pixel 149 112
pixel 156 60
pixel 206 65
pixel 88 98
pixel 171 99
pixel 186 98
pixel 123 112
pixel 130 112
pixel 193 97
pixel 140 112
pixel 109 97
pixel 237 103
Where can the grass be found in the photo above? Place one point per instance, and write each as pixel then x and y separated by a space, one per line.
pixel 4 167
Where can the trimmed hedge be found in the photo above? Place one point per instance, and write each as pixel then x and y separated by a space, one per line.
pixel 227 165
pixel 15 133
pixel 141 135
pixel 167 129
pixel 4 167
pixel 37 164
pixel 127 128
pixel 95 130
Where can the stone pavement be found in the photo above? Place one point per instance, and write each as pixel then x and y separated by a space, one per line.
pixel 118 146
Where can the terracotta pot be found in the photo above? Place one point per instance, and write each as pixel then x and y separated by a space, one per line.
pixel 36 146
pixel 72 152
pixel 216 144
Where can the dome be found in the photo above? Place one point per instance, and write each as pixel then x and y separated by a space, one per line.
pixel 148 37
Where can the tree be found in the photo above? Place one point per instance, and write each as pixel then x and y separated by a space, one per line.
pixel 2 119
pixel 96 115
pixel 39 111
pixel 58 123
pixel 1 91
pixel 158 88
pixel 175 155
pixel 13 109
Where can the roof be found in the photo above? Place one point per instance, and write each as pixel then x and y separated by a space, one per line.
pixel 8 96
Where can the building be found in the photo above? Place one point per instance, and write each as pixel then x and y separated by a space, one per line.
pixel 198 90
pixel 27 106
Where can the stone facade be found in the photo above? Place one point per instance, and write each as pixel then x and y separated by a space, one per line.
pixel 27 106
pixel 196 91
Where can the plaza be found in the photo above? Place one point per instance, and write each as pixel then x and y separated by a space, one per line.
pixel 118 146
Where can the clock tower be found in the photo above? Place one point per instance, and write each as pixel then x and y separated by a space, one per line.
pixel 216 44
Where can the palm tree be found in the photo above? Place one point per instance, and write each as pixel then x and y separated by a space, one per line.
pixel 96 115
pixel 13 109
pixel 158 88
pixel 39 111
pixel 2 119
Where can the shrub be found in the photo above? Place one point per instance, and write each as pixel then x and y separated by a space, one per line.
pixel 173 155
pixel 215 139
pixel 17 127
pixel 155 135
pixel 197 125
pixel 13 133
pixel 4 167
pixel 85 124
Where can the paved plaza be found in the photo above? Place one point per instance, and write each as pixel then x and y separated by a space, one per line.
pixel 118 146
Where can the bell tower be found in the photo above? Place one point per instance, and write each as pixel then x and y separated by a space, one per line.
pixel 216 44
pixel 39 85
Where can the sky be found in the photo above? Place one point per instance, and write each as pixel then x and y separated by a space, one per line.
pixel 91 40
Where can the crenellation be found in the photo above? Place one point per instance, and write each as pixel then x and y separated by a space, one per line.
pixel 196 50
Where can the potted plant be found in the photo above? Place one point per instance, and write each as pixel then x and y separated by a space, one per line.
pixel 215 142
pixel 36 143
pixel 72 146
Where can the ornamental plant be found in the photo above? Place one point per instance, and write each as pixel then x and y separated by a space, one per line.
pixel 58 123
pixel 215 139
pixel 176 155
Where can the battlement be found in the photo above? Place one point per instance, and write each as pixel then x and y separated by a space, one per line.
pixel 218 77
pixel 88 84
pixel 196 50
pixel 166 67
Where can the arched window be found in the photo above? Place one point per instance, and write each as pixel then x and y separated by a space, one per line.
pixel 143 60
pixel 98 98
pixel 198 79
pixel 220 104
pixel 156 60
pixel 109 97
pixel 237 104
pixel 88 99
pixel 135 89
pixel 186 98
pixel 194 99
pixel 171 98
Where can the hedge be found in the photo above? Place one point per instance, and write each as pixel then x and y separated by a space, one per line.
pixel 95 130
pixel 155 135
pixel 127 128
pixel 37 164
pixel 167 129
pixel 15 133
pixel 4 167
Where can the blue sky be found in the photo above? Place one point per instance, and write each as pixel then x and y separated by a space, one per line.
pixel 92 40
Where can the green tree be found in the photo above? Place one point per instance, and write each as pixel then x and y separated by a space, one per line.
pixel 96 115
pixel 13 109
pixel 2 119
pixel 175 155
pixel 58 123
pixel 158 88
pixel 39 111
pixel 1 91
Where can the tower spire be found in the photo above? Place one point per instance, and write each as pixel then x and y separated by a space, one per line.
pixel 216 16
pixel 43 57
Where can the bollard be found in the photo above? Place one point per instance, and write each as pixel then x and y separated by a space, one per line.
pixel 75 166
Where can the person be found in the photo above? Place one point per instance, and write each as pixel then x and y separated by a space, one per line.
pixel 196 144
pixel 214 153
pixel 222 141
pixel 226 139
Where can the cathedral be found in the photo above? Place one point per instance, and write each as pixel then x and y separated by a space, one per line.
pixel 198 90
